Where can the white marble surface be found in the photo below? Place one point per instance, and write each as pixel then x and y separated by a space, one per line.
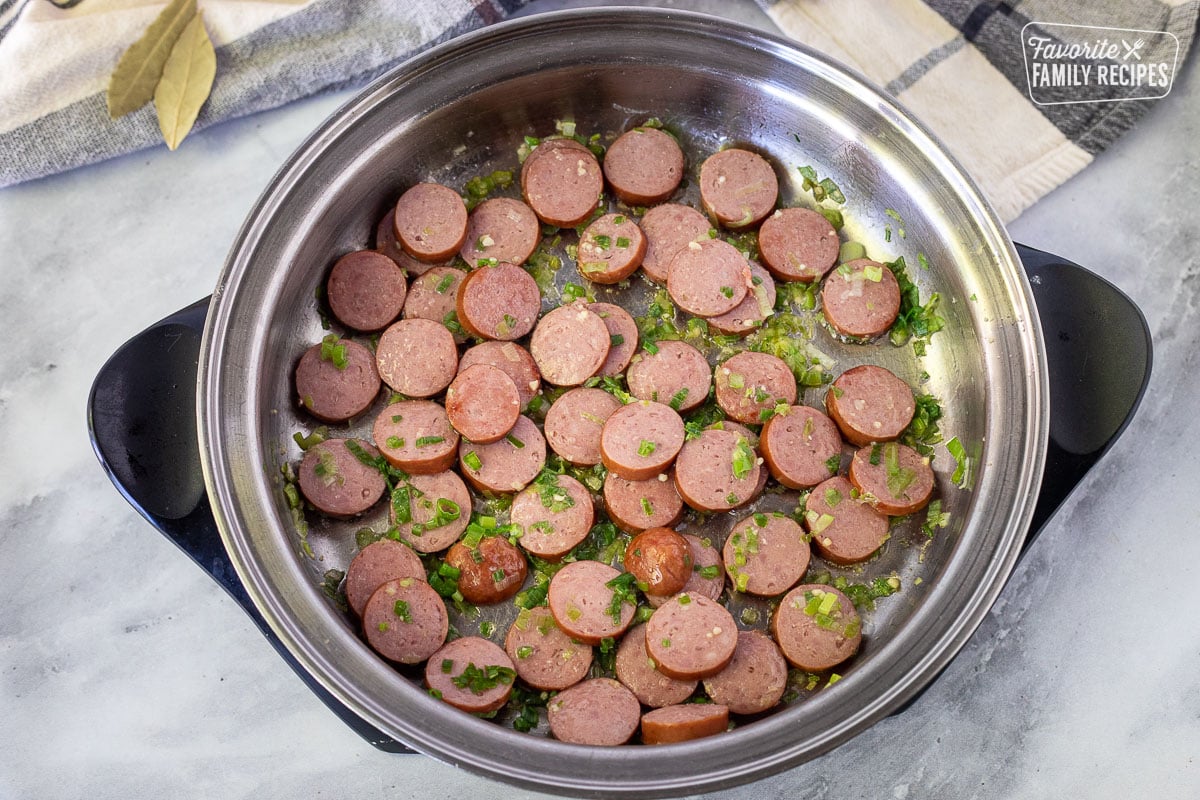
pixel 125 672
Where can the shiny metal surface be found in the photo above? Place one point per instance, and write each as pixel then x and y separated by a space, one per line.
pixel 461 110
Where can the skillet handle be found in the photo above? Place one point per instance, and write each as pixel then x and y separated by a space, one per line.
pixel 142 423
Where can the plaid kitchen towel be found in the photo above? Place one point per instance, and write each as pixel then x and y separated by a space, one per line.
pixel 1024 94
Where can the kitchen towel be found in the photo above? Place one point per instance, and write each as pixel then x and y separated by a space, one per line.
pixel 962 66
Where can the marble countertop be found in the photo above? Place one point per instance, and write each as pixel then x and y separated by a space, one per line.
pixel 126 672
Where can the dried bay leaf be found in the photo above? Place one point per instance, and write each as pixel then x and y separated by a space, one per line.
pixel 186 81
pixel 132 83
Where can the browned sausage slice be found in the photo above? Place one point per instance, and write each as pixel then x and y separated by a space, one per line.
pixel 500 229
pixel 765 554
pixel 337 379
pixel 385 242
pixel 405 620
pixel 641 439
pixel 737 187
pixel 569 345
pixel 845 529
pixel 366 290
pixel 489 572
pixel 690 636
pixel 754 681
pixel 417 357
pixel 375 565
pixel 708 573
pixel 896 479
pixel 500 302
pixel 510 357
pixel 622 337
pixel 584 606
pixel 636 670
pixel 431 222
pixel 798 244
pixel 599 711
pixel 801 447
pixel 677 375
pixel 562 184
pixel 669 228
pixel 431 296
pixel 336 482
pixel 661 561
pixel 750 383
pixel 472 674
pixel 430 511
pixel 758 304
pixel 708 278
pixel 861 298
pixel 644 166
pixel 611 249
pixel 816 627
pixel 683 723
pixel 508 465
pixel 482 403
pixel 416 436
pixel 637 505
pixel 545 657
pixel 869 404
pixel 574 422
pixel 716 471
pixel 553 515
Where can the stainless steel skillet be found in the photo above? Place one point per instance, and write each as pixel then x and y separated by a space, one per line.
pixel 461 110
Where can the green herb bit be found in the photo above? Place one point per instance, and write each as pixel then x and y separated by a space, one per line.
pixel 962 463
pixel 395 442
pixel 623 242
pixel 425 441
pixel 922 261
pixel 898 478
pixel 678 399
pixel 616 340
pixel 732 499
pixel 833 464
pixel 487 628
pixel 922 432
pixel 727 291
pixel 832 497
pixel 471 459
pixel 647 508
pixel 573 291
pixel 834 217
pixel 506 325
pixel 603 241
pixel 333 350
pixel 318 435
pixel 708 572
pixel 445 283
pixel 934 518
pixel 743 459
pixel 481 680
pixel 514 441
pixel 646 448
pixel 552 497
pixel 851 251
pixel 524 651
pixel 619 219
pixel 401 610
pixel 876 452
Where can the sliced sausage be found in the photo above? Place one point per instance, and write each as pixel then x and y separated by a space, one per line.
pixel 500 229
pixel 896 479
pixel 661 561
pixel 708 277
pixel 417 357
pixel 334 393
pixel 754 681
pixel 690 636
pixel 510 357
pixel 816 627
pixel 553 516
pixel 683 723
pixel 677 375
pixel 430 512
pixel 637 505
pixel 385 242
pixel 583 603
pixel 431 296
pixel 561 183
pixel 636 670
pixel 801 447
pixel 366 290
pixel 431 222
pixel 765 554
pixel 545 657
pixel 798 244
pixel 405 620
pixel 574 422
pixel 622 337
pixel 669 228
pixel 738 188
pixel 416 436
pixel 375 565
pixel 483 403
pixel 472 674
pixel 610 249
pixel 336 482
pixel 708 573
pixel 758 304
pixel 641 439
pixel 644 166
pixel 500 302
pixel 844 528
pixel 599 712
pixel 869 404
pixel 861 298
pixel 716 471
pixel 569 345
pixel 750 383
pixel 489 572
pixel 508 465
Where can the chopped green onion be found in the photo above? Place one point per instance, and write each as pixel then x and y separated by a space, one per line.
pixel 333 350
pixel 647 509
pixel 743 459
pixel 425 441
pixel 622 242
pixel 471 459
pixel 727 291
pixel 646 447
pixel 401 610
pixel 679 398
pixel 444 284
pixel 395 442
pixel 616 340
pixel 514 441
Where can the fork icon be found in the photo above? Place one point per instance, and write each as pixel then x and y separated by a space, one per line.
pixel 1132 50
